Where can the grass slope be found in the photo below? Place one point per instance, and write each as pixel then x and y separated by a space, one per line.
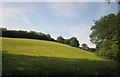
pixel 38 57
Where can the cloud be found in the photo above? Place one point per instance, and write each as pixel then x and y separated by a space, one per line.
pixel 82 32
pixel 15 16
pixel 104 9
pixel 18 18
pixel 67 9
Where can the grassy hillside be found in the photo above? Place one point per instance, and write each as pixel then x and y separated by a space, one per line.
pixel 38 57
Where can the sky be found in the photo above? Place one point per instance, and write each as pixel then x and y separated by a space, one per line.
pixel 67 19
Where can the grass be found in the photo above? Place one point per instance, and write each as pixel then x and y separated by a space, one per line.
pixel 38 57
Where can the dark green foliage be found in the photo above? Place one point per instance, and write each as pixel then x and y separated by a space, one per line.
pixel 48 36
pixel 118 33
pixel 60 39
pixel 84 46
pixel 25 34
pixel 92 49
pixel 67 41
pixel 72 41
pixel 106 35
pixel 3 29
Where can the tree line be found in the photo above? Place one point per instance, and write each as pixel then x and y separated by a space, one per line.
pixel 73 41
pixel 25 34
pixel 38 35
pixel 106 35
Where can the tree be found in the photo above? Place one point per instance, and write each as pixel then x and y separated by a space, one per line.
pixel 84 46
pixel 48 36
pixel 105 34
pixel 118 30
pixel 60 39
pixel 92 49
pixel 74 42
pixel 3 29
pixel 67 41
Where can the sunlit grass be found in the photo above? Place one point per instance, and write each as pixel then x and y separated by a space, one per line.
pixel 45 48
pixel 38 57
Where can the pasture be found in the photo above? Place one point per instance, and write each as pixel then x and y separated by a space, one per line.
pixel 38 57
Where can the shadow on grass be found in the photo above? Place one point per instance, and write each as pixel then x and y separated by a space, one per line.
pixel 33 65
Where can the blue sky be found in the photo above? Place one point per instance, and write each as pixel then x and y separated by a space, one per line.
pixel 67 19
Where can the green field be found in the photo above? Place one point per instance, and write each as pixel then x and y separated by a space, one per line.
pixel 38 57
